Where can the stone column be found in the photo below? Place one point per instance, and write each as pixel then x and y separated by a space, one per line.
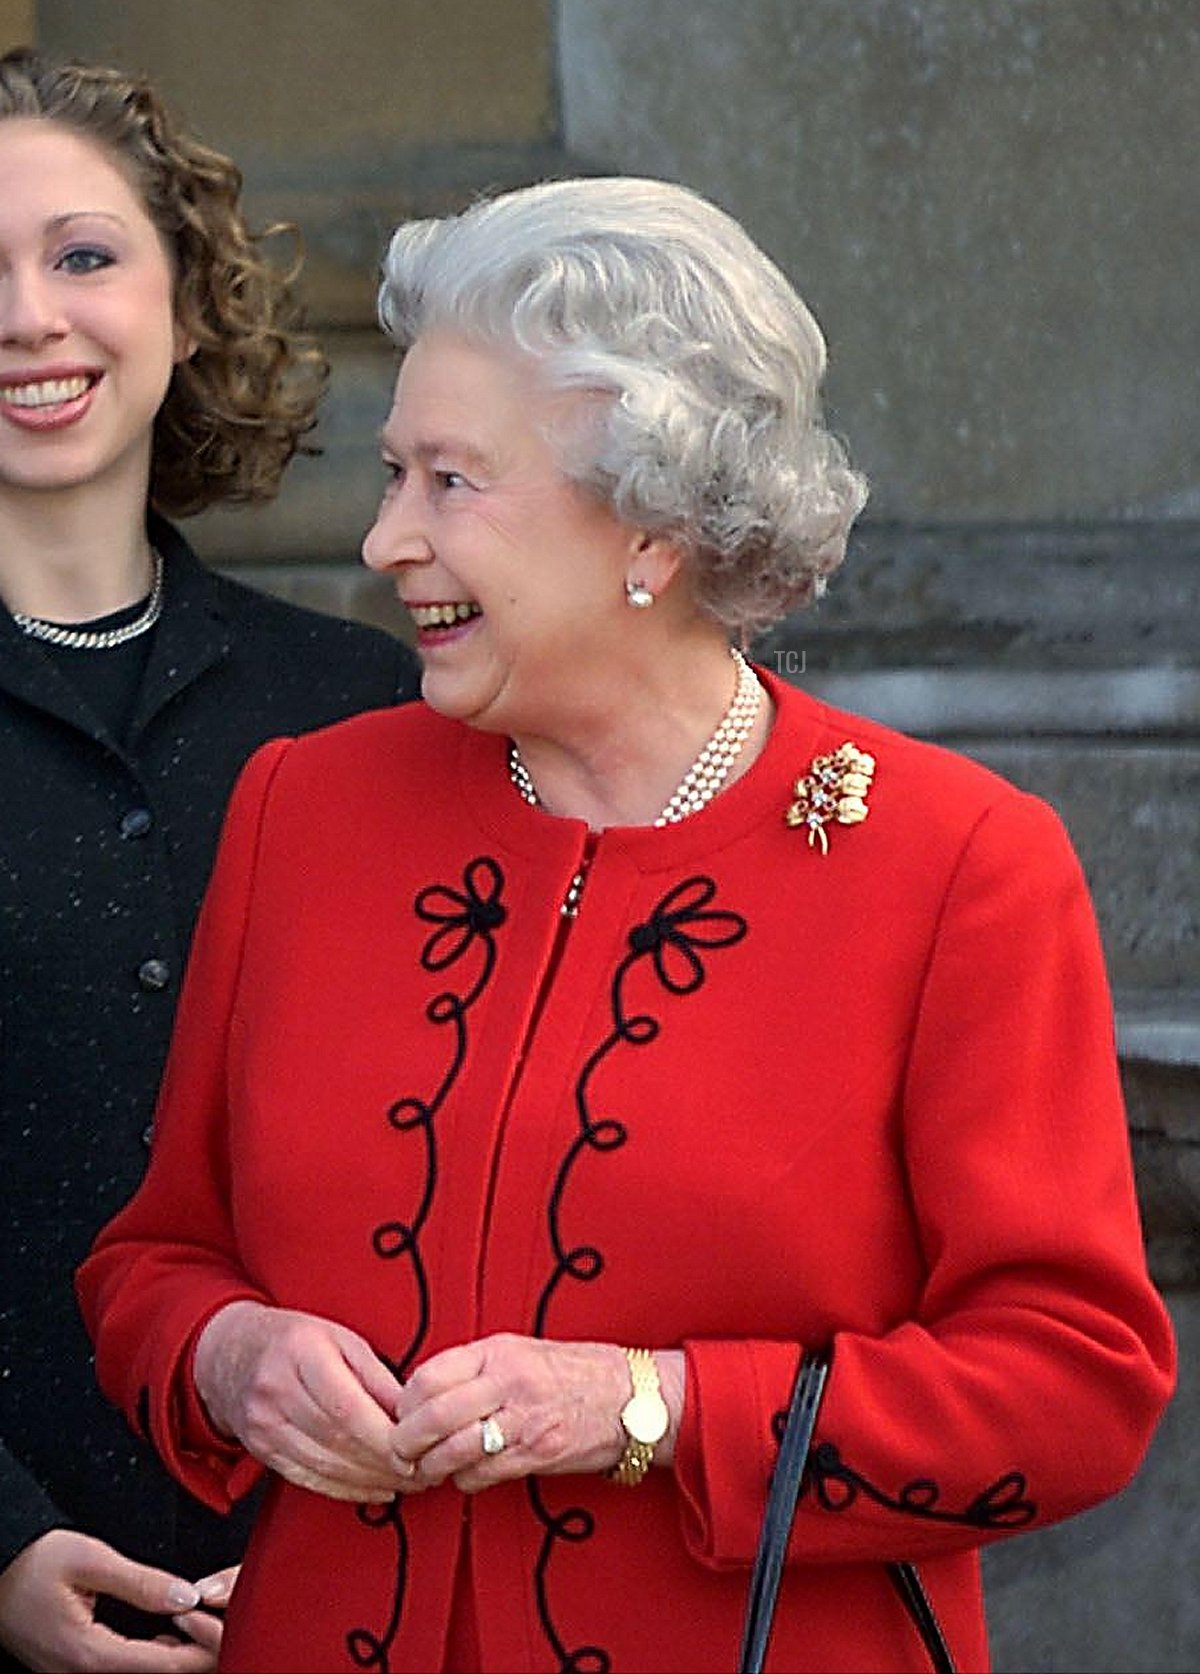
pixel 18 23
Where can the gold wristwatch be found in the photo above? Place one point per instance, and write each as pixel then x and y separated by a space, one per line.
pixel 644 1419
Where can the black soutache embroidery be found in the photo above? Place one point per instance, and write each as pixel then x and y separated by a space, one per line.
pixel 463 919
pixel 1001 1505
pixel 671 940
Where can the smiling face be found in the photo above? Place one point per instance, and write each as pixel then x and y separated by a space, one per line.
pixel 514 577
pixel 87 331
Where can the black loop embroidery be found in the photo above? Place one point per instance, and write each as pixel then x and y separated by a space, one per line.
pixel 463 919
pixel 463 915
pixel 1002 1505
pixel 367 1649
pixel 671 939
pixel 677 927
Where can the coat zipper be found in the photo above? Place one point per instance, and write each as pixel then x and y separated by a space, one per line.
pixel 568 912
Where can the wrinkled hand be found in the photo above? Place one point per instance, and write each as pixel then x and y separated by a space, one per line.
pixel 48 1599
pixel 308 1398
pixel 557 1405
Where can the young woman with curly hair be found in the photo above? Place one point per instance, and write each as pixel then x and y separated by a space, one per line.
pixel 150 366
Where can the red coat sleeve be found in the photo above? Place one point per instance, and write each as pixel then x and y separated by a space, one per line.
pixel 145 1295
pixel 1040 1358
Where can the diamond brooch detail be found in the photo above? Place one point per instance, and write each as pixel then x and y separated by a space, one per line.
pixel 835 789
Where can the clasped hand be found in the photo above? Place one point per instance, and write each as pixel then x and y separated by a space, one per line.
pixel 554 1405
pixel 312 1401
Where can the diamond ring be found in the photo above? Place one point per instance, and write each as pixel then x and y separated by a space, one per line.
pixel 491 1436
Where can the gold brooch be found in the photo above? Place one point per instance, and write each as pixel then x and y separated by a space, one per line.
pixel 834 788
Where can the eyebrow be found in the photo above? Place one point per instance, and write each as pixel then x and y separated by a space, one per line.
pixel 57 221
pixel 436 446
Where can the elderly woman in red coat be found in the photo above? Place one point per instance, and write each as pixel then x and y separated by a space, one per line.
pixel 511 1155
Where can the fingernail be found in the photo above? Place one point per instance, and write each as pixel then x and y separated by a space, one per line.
pixel 181 1596
pixel 214 1589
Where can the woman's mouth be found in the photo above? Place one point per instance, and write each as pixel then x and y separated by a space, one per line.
pixel 443 621
pixel 47 403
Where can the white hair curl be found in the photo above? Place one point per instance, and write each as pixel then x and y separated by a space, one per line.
pixel 646 293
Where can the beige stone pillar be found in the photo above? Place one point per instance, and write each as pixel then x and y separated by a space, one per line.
pixel 18 22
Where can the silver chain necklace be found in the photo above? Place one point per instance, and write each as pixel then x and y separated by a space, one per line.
pixel 91 639
pixel 711 767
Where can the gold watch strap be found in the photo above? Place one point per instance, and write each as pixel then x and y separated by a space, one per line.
pixel 633 1464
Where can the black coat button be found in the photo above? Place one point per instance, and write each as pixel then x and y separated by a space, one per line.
pixel 136 823
pixel 154 974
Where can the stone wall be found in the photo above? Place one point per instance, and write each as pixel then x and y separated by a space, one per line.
pixel 993 211
pixel 991 208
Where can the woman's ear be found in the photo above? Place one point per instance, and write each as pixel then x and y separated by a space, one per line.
pixel 654 562
pixel 185 345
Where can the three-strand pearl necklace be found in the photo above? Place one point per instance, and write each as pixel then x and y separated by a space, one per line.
pixel 705 777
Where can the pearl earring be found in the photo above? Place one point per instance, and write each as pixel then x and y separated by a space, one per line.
pixel 641 598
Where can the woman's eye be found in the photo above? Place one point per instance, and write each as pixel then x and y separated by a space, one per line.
pixel 85 258
pixel 450 479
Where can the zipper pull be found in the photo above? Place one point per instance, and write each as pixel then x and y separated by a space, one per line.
pixel 571 900
pixel 570 904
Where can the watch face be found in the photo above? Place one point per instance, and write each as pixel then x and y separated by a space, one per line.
pixel 646 1418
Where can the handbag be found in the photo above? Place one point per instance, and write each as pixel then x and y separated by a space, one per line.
pixel 777 1524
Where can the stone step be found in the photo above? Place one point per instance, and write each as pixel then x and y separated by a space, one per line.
pixel 1158 1036
pixel 1161 1026
pixel 1159 1040
pixel 1116 751
pixel 1011 596
pixel 958 703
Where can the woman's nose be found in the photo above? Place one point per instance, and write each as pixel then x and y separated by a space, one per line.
pixel 29 311
pixel 396 536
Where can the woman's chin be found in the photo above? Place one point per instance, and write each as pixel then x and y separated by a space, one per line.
pixel 460 699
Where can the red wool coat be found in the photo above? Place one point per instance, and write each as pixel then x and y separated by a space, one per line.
pixel 753 1096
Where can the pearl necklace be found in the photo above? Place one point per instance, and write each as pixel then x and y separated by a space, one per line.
pixel 711 767
pixel 91 639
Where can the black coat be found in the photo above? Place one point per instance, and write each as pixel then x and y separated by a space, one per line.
pixel 104 854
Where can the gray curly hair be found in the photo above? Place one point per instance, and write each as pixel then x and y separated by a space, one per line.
pixel 646 293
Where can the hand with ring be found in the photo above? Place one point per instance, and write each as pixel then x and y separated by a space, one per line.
pixel 508 1406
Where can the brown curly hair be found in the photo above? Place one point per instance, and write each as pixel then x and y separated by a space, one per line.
pixel 236 411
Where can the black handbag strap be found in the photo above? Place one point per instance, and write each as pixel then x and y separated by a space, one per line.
pixel 781 1508
pixel 777 1526
pixel 916 1601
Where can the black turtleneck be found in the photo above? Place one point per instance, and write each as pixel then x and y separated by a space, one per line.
pixel 107 680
